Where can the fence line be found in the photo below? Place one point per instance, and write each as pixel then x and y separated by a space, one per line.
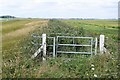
pixel 55 45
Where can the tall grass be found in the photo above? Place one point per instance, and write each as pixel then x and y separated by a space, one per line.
pixel 15 62
pixel 17 51
pixel 80 66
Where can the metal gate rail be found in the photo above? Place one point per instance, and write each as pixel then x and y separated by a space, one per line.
pixel 78 45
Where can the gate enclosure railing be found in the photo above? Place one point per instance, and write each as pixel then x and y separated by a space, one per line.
pixel 69 45
pixel 74 42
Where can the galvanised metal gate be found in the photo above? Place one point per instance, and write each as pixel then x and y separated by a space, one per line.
pixel 88 42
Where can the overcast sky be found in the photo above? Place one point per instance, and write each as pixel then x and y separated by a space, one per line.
pixel 60 8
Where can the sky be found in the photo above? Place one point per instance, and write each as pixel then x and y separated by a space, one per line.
pixel 103 9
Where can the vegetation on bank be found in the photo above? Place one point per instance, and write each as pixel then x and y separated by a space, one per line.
pixel 17 50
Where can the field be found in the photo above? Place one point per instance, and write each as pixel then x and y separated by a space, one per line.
pixel 17 49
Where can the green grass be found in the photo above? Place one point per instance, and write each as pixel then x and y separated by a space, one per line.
pixel 13 25
pixel 13 38
pixel 96 25
pixel 17 49
pixel 81 67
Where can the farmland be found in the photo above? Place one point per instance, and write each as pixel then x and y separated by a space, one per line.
pixel 17 49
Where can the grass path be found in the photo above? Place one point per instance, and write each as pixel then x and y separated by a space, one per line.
pixel 20 33
pixel 11 45
pixel 29 27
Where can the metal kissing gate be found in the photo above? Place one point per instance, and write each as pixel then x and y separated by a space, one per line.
pixel 67 45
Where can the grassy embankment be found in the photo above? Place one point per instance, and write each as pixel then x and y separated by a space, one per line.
pixel 13 35
pixel 17 49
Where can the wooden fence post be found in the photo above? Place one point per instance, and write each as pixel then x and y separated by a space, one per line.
pixel 102 37
pixel 96 41
pixel 54 47
pixel 44 46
